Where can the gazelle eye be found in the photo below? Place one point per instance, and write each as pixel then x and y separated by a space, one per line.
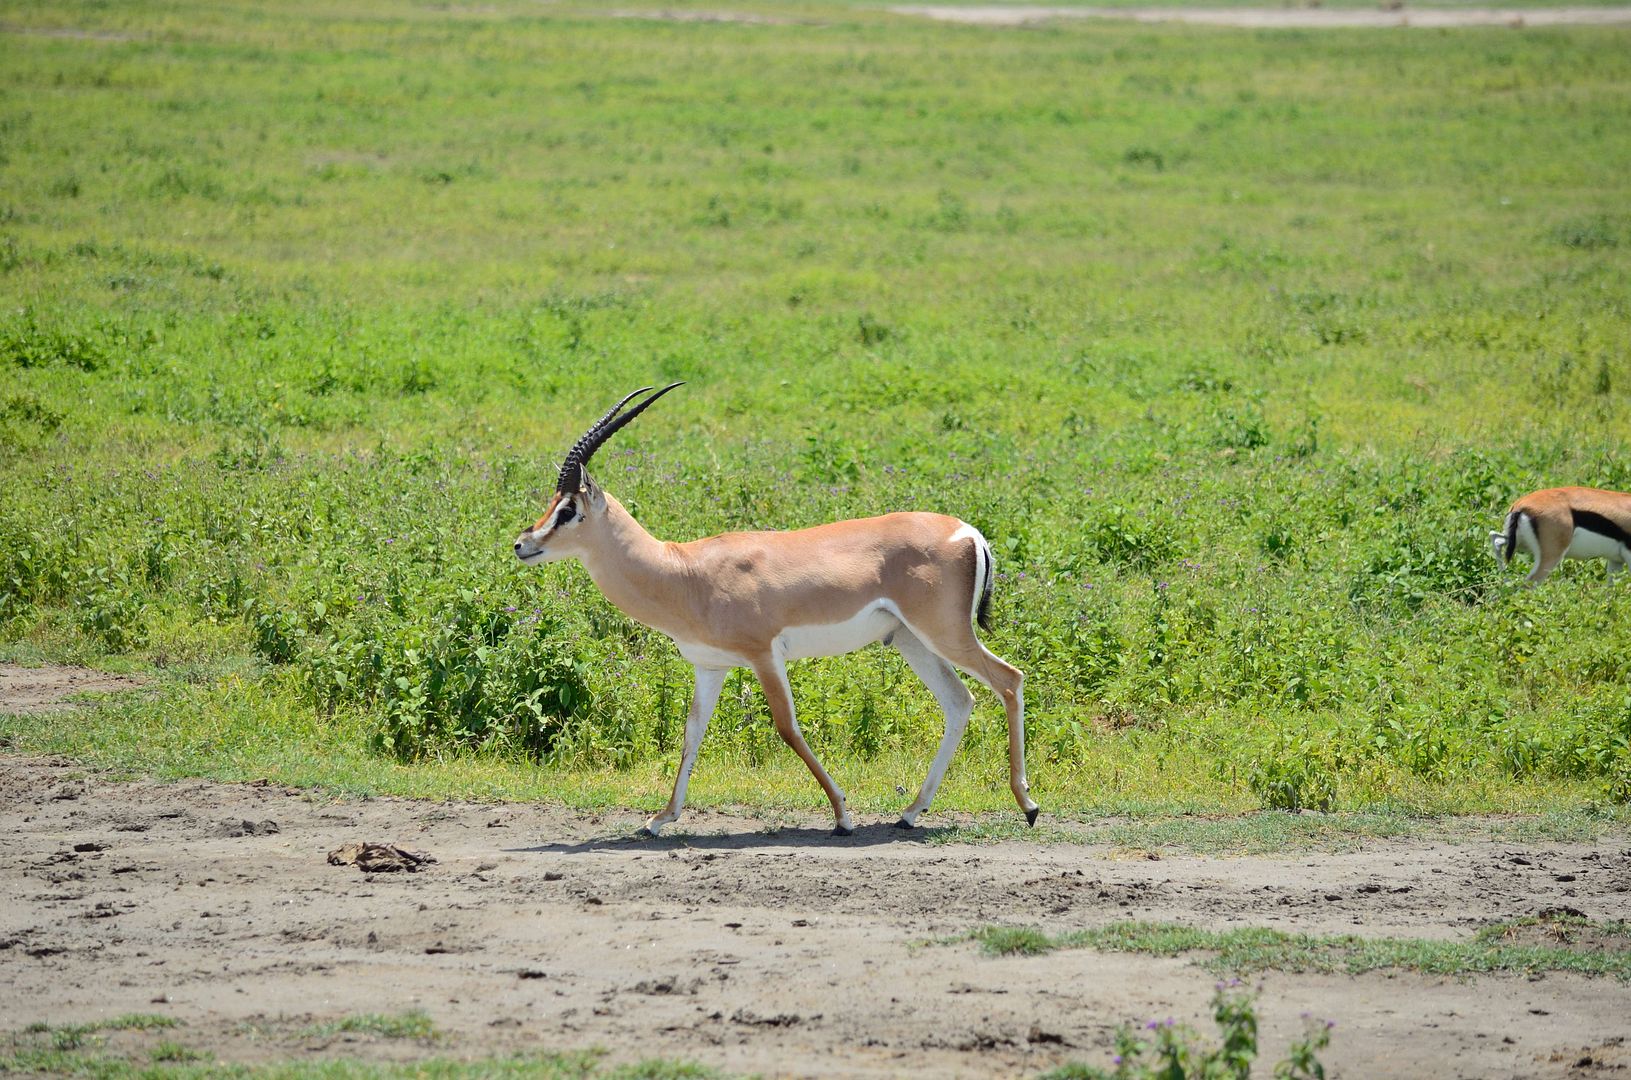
pixel 567 514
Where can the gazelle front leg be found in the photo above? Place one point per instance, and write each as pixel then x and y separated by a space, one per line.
pixel 703 699
pixel 772 675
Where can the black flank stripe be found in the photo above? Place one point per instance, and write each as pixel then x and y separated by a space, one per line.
pixel 1602 526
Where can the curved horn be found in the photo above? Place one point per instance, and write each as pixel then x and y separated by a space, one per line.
pixel 571 478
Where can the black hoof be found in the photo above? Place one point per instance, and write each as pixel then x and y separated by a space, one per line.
pixel 841 831
pixel 1030 815
pixel 904 824
pixel 645 833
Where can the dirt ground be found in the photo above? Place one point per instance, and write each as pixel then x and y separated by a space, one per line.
pixel 32 689
pixel 782 952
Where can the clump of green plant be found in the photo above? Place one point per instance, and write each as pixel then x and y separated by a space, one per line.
pixel 413 1024
pixel 1014 941
pixel 1165 1050
pixel 1294 774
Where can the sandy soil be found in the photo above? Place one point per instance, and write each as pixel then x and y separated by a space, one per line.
pixel 1279 17
pixel 785 952
pixel 31 689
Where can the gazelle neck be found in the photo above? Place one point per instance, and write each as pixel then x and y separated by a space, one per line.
pixel 632 568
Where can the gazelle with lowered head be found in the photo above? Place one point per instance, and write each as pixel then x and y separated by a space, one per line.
pixel 759 599
pixel 1567 523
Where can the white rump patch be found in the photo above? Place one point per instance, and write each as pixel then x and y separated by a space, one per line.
pixel 982 555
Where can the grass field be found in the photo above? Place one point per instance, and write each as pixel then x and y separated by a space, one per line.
pixel 1235 344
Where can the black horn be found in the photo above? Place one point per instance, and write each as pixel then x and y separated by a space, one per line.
pixel 571 478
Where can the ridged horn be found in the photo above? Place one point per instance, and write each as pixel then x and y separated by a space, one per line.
pixel 571 478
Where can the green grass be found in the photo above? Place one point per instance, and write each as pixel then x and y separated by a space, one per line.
pixel 1254 949
pixel 1234 344
pixel 75 1050
pixel 183 1064
pixel 413 1024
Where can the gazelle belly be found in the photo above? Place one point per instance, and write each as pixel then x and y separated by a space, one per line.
pixel 706 656
pixel 1586 544
pixel 871 623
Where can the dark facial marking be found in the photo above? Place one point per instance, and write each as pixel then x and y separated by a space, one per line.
pixel 568 512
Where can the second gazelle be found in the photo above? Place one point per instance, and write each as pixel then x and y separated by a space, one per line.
pixel 759 599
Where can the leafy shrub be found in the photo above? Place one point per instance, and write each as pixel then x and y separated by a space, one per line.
pixel 1293 774
pixel 25 343
pixel 109 607
pixel 1592 233
pixel 1164 1050
pixel 1119 535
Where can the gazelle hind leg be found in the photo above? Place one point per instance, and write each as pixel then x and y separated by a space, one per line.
pixel 955 701
pixel 1008 683
pixel 703 699
pixel 1548 542
pixel 772 675
pixel 1543 568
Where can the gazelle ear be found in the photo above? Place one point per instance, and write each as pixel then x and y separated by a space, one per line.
pixel 591 492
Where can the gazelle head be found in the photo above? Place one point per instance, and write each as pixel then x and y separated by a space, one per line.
pixel 579 505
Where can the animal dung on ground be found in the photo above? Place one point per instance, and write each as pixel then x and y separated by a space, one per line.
pixel 378 858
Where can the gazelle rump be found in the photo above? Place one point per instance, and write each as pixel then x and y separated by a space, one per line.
pixel 1567 523
pixel 759 599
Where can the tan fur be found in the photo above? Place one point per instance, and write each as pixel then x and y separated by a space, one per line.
pixel 1551 513
pixel 736 594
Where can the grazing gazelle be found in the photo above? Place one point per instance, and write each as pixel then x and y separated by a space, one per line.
pixel 760 599
pixel 1567 523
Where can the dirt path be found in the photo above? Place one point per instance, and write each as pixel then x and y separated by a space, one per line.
pixel 786 953
pixel 33 689
pixel 1310 18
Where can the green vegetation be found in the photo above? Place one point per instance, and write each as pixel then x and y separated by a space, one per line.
pixel 1502 947
pixel 1169 1051
pixel 413 1024
pixel 63 1037
pixel 26 1055
pixel 1235 345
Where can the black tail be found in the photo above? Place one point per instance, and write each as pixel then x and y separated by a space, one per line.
pixel 1511 544
pixel 983 613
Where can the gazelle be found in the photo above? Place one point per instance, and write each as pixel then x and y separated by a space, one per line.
pixel 759 599
pixel 1567 523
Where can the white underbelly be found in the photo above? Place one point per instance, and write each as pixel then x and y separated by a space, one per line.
pixel 1586 544
pixel 706 656
pixel 870 624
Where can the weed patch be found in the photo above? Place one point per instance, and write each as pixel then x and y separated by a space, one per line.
pixel 1571 944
